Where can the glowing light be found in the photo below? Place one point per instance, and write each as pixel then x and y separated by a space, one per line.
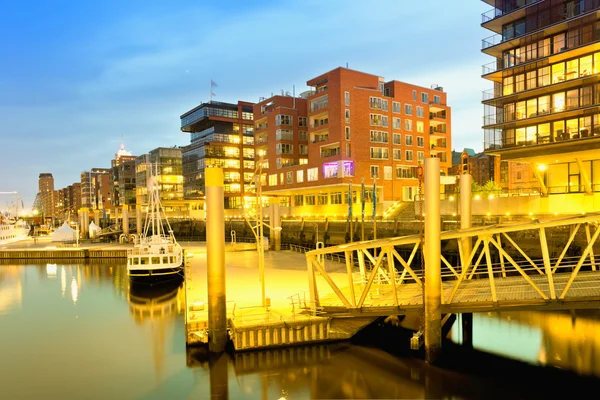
pixel 454 214
pixel 507 213
pixel 489 213
pixel 530 213
pixel 542 167
pixel 74 290
pixel 477 197
pixel 555 213
pixel 451 198
pixel 491 196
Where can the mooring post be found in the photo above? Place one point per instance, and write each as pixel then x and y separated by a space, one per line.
pixel 465 217
pixel 125 219
pixel 433 279
pixel 275 222
pixel 215 260
pixel 85 221
pixel 138 219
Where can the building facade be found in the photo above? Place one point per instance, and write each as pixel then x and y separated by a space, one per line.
pixel 543 109
pixel 46 190
pixel 166 162
pixel 221 135
pixel 123 178
pixel 353 127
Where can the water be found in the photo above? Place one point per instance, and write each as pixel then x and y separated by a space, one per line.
pixel 77 332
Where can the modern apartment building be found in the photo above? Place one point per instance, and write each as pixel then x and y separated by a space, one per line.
pixel 353 127
pixel 46 190
pixel 221 135
pixel 68 202
pixel 95 189
pixel 166 164
pixel 544 106
pixel 123 178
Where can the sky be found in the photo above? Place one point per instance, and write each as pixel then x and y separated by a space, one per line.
pixel 77 77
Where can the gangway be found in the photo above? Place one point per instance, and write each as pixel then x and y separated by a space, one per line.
pixel 510 267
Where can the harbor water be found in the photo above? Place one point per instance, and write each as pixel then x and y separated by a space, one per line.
pixel 77 331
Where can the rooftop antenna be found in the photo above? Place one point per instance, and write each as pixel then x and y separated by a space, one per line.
pixel 294 95
pixel 346 65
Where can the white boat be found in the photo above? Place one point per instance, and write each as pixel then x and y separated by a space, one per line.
pixel 156 256
pixel 12 230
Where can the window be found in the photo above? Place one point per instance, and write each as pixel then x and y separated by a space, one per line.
pixel 414 95
pixel 396 123
pixel 420 127
pixel 320 103
pixel 379 137
pixel 408 108
pixel 424 97
pixel 409 155
pixel 406 172
pixel 347 116
pixel 273 180
pixel 348 152
pixel 384 105
pixel 420 141
pixel 437 99
pixel 330 170
pixel 298 200
pixel 303 136
pixel 378 120
pixel 396 107
pixel 283 119
pixel 322 199
pixel 420 112
pixel 375 103
pixel 408 124
pixel 397 154
pixel 302 121
pixel 387 173
pixel 300 176
pixel 284 148
pixel 347 98
pixel 347 133
pixel 284 134
pixel 309 199
pixel 303 149
pixel 336 198
pixel 420 156
pixel 289 177
pixel 397 138
pixel 374 171
pixel 312 174
pixel 408 139
pixel 379 153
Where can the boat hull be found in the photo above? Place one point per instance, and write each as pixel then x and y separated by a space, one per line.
pixel 152 277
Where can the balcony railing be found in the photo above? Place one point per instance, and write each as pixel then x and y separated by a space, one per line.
pixel 495 12
pixel 441 115
pixel 535 24
pixel 330 152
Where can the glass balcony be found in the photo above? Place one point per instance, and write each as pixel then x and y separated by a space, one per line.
pixel 495 12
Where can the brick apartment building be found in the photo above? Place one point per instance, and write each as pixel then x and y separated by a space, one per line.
pixel 351 127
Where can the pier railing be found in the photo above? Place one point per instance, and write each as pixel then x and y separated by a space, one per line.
pixel 549 264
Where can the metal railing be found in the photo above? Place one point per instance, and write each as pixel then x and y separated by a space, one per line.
pixel 496 12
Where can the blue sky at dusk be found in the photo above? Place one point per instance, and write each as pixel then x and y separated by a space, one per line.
pixel 76 76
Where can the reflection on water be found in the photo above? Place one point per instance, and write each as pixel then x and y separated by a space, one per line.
pixel 565 340
pixel 84 322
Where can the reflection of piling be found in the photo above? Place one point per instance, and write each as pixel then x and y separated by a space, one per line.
pixel 219 376
pixel 467 329
pixel 215 260
pixel 275 223
pixel 433 280
pixel 97 217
